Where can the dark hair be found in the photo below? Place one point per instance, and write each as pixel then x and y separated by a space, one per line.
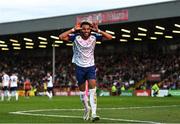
pixel 86 23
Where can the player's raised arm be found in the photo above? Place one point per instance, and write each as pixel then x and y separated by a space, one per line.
pixel 65 35
pixel 105 35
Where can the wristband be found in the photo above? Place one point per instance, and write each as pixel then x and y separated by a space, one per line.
pixel 73 30
pixel 99 31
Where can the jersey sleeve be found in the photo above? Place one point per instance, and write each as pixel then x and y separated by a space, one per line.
pixel 72 37
pixel 98 37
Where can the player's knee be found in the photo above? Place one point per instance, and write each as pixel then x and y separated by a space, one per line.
pixel 82 87
pixel 92 84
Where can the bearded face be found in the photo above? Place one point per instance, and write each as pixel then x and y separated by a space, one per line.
pixel 85 31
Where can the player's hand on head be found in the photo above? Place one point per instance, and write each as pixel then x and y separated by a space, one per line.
pixel 95 26
pixel 77 27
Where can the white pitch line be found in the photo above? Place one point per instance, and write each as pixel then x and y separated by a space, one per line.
pixel 112 119
pixel 37 110
pixel 66 116
pixel 134 107
pixel 62 116
pixel 134 121
pixel 141 107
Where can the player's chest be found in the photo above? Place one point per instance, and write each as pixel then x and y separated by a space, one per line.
pixel 85 43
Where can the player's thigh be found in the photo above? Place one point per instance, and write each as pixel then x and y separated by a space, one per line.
pixel 81 77
pixel 91 77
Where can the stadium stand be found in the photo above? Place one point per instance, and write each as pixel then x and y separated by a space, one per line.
pixel 123 68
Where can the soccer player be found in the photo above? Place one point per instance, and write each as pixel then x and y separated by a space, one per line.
pixel 13 86
pixel 5 86
pixel 84 37
pixel 49 86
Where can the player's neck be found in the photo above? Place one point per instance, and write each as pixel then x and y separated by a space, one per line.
pixel 85 37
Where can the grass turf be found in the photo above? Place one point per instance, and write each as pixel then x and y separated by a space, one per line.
pixel 110 109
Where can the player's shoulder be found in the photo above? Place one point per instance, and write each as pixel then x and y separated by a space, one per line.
pixel 95 35
pixel 74 36
pixel 78 37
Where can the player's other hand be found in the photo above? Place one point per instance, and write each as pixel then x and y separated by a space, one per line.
pixel 95 26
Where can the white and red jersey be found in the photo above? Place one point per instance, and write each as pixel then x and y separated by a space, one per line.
pixel 83 50
pixel 13 81
pixel 5 80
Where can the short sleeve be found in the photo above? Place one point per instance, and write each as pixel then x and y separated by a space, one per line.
pixel 98 36
pixel 72 37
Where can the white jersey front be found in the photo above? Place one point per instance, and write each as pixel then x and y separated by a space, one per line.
pixel 5 80
pixel 50 82
pixel 13 81
pixel 83 50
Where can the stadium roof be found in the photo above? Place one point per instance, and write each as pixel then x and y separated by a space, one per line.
pixel 157 22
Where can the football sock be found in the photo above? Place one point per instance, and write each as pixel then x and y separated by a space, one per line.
pixel 93 101
pixel 16 95
pixel 84 100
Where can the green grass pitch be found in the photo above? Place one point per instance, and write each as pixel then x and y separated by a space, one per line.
pixel 63 109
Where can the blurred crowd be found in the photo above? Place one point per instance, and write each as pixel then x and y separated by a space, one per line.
pixel 132 68
pixel 119 68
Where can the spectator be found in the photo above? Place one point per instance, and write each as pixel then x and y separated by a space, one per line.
pixel 114 90
pixel 155 89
